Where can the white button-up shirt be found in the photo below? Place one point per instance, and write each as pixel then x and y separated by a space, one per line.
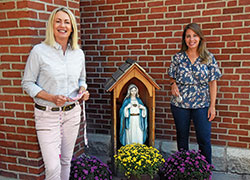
pixel 48 69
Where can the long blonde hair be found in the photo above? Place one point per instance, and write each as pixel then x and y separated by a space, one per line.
pixel 202 50
pixel 73 38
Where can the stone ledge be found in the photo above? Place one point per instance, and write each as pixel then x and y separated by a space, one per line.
pixel 227 160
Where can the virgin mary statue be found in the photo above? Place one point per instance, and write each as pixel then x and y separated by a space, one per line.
pixel 133 118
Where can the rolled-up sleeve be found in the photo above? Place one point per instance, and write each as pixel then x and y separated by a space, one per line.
pixel 173 68
pixel 82 79
pixel 31 73
pixel 214 71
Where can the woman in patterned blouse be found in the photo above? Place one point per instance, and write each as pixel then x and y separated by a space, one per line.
pixel 193 74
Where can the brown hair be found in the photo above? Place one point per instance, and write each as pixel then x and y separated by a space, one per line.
pixel 202 50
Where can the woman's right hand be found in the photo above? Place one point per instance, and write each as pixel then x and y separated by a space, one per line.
pixel 175 90
pixel 59 100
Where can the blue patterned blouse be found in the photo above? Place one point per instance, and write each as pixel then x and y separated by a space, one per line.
pixel 192 80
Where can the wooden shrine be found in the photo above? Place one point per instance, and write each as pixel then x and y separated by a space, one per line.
pixel 128 73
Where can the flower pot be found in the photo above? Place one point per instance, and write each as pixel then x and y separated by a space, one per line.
pixel 143 177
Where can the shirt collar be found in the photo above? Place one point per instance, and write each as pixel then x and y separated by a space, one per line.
pixel 58 46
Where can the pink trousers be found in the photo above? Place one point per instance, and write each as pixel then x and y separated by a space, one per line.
pixel 57 132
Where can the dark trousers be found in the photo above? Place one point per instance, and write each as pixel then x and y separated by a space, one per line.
pixel 182 118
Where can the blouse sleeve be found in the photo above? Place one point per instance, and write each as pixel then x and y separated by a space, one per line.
pixel 82 79
pixel 173 67
pixel 214 71
pixel 31 74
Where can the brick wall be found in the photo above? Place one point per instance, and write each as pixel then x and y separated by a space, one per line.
pixel 22 24
pixel 150 33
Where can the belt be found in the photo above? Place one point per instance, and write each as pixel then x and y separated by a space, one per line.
pixel 64 108
pixel 134 114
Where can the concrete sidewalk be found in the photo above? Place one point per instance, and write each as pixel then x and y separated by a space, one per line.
pixel 216 176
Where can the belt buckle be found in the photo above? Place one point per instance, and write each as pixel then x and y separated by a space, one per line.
pixel 67 108
pixel 55 109
pixel 64 108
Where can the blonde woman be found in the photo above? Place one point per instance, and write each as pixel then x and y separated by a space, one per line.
pixel 193 78
pixel 54 74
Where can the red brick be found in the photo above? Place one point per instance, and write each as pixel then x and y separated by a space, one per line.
pixel 245 115
pixel 216 5
pixel 74 5
pixel 155 16
pixel 3 33
pixel 228 114
pixel 14 122
pixel 35 155
pixel 11 74
pixel 17 168
pixel 237 144
pixel 245 126
pixel 230 64
pixel 24 115
pixel 232 3
pixel 243 70
pixel 211 12
pixel 231 51
pixel 5 128
pixel 232 38
pixel 222 31
pixel 8 24
pixel 30 23
pixel 191 1
pixel 232 24
pixel 233 10
pixel 8 144
pixel 16 137
pixel 22 32
pixel 20 49
pixel 244 139
pixel 229 138
pixel 186 7
pixel 244 2
pixel 4 49
pixel 10 58
pixel 245 102
pixel 14 106
pixel 27 146
pixel 32 138
pixel 7 5
pixel 238 132
pixel 241 17
pixel 192 13
pixel 21 14
pixel 241 96
pixel 182 21
pixel 244 44
pixel 2 15
pixel 2 83
pixel 241 121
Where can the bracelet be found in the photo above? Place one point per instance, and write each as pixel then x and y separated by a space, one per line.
pixel 172 83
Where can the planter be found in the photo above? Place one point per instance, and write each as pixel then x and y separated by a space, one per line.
pixel 143 177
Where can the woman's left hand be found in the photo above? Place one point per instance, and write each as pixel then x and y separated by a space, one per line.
pixel 211 113
pixel 85 97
